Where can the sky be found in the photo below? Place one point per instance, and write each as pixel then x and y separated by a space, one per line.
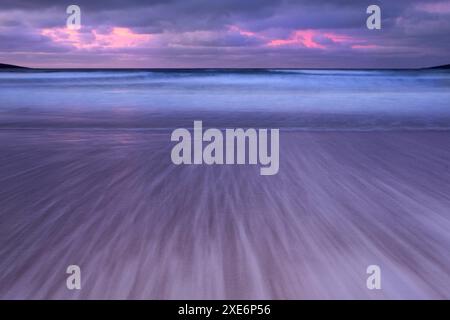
pixel 225 34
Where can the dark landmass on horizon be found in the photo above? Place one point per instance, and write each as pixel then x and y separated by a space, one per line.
pixel 10 66
pixel 445 66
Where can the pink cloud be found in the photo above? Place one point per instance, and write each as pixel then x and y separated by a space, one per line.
pixel 116 38
pixel 310 39
pixel 242 32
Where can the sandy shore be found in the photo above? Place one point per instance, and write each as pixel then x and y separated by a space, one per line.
pixel 112 202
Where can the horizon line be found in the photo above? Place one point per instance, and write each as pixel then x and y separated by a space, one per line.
pixel 24 68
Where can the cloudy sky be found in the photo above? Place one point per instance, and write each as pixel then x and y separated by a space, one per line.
pixel 226 33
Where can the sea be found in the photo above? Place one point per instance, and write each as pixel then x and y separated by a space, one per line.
pixel 306 99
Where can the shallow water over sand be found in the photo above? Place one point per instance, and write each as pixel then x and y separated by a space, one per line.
pixel 112 202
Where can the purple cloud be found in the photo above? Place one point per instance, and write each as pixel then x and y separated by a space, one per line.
pixel 262 33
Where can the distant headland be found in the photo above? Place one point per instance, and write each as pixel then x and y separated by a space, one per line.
pixel 10 66
pixel 445 66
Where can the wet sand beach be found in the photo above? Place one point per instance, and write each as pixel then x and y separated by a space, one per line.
pixel 112 202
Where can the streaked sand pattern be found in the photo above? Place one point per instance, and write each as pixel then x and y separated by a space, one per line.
pixel 140 227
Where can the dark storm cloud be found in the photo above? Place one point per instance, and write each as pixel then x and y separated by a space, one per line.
pixel 228 33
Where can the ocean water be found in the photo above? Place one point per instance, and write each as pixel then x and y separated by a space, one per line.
pixel 86 179
pixel 305 99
